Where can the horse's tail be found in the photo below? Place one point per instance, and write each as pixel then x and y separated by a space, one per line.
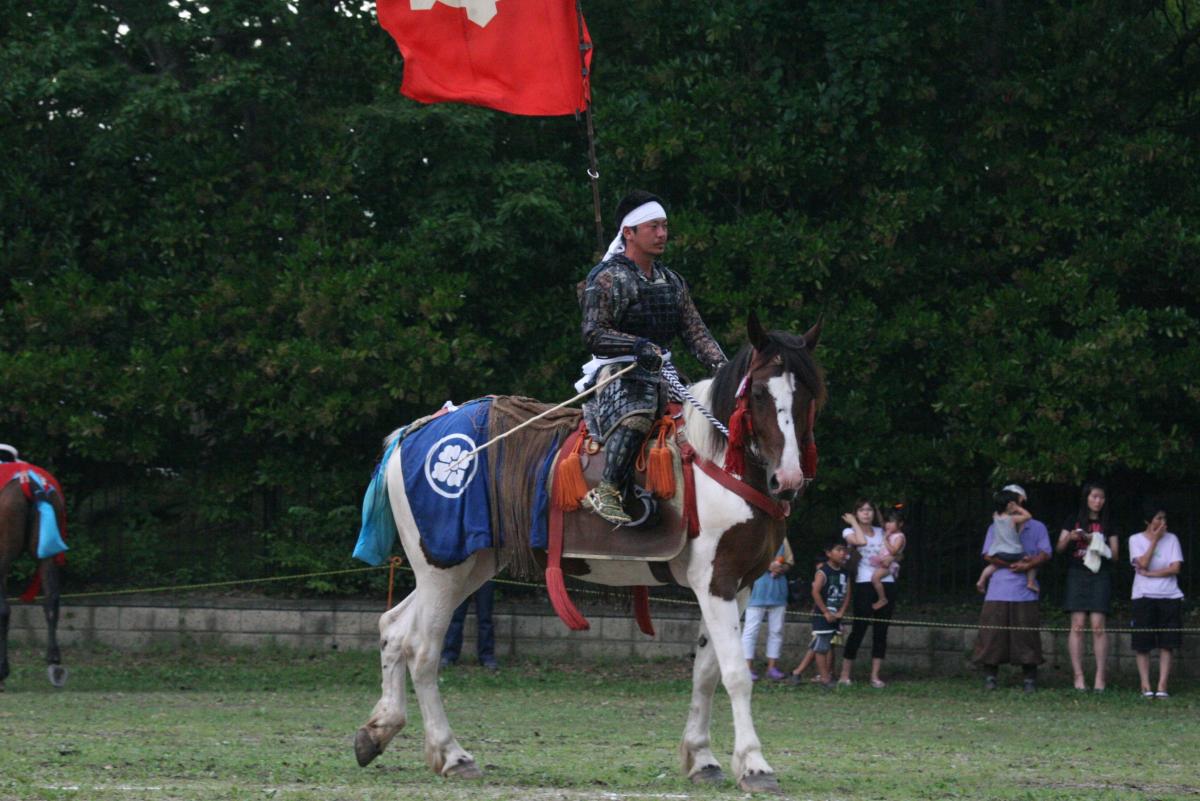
pixel 378 530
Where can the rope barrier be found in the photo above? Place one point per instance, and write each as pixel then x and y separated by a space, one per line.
pixel 396 563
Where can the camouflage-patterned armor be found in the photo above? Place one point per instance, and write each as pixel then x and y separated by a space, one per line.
pixel 622 310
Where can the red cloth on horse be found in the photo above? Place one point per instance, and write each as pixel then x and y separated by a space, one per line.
pixel 11 471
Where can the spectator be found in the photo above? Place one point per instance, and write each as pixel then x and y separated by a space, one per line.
pixel 1011 616
pixel 1091 546
pixel 1007 518
pixel 831 599
pixel 485 634
pixel 865 534
pixel 1157 599
pixel 809 653
pixel 768 599
pixel 894 542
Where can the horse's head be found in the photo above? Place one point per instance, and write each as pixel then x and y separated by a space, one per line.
pixel 771 392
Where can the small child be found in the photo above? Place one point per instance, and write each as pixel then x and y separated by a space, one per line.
pixel 894 541
pixel 806 662
pixel 831 600
pixel 1007 518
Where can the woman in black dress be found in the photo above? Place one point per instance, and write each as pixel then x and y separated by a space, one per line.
pixel 1092 549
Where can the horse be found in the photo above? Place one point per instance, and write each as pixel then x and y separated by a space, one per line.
pixel 777 382
pixel 19 526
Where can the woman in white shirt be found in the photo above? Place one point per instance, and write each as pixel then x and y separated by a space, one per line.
pixel 866 535
pixel 1157 600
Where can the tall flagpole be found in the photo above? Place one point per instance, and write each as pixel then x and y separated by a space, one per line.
pixel 593 171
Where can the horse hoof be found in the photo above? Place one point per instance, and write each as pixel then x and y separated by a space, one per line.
pixel 57 675
pixel 760 783
pixel 365 749
pixel 467 769
pixel 709 774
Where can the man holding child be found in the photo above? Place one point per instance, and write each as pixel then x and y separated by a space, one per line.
pixel 1011 615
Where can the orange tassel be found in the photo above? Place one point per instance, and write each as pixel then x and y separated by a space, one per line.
pixel 660 473
pixel 569 484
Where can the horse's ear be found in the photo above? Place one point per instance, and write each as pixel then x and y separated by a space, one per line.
pixel 812 336
pixel 757 334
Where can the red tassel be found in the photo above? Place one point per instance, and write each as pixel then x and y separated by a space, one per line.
pixel 660 473
pixel 691 517
pixel 641 609
pixel 557 589
pixel 569 484
pixel 740 428
pixel 808 462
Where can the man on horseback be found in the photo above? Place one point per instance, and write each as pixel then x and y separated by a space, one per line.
pixel 633 307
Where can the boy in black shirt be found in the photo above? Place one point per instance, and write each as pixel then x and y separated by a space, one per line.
pixel 831 599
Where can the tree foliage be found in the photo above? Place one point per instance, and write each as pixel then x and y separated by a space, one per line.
pixel 234 257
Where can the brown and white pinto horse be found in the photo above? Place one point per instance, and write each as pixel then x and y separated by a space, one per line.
pixel 19 534
pixel 736 542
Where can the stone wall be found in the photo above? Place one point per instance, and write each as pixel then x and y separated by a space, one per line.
pixel 521 632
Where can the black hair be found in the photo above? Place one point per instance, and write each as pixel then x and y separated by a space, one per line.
pixel 834 542
pixel 637 197
pixel 895 512
pixel 1002 499
pixel 1151 507
pixel 1084 516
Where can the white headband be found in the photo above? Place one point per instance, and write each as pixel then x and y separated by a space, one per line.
pixel 1017 489
pixel 643 213
pixel 10 449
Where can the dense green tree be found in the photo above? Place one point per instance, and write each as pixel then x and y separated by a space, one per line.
pixel 233 257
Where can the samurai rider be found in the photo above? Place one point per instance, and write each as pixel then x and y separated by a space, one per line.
pixel 633 308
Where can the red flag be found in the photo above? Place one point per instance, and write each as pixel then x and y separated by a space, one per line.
pixel 519 56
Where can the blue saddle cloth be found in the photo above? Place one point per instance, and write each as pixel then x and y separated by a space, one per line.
pixel 448 494
pixel 50 541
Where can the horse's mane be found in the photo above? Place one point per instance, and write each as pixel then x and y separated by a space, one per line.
pixel 797 359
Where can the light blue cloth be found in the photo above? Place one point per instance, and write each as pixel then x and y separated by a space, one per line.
pixel 770 589
pixel 50 541
pixel 378 530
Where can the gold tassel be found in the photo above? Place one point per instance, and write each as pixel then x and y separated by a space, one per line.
pixel 569 484
pixel 660 472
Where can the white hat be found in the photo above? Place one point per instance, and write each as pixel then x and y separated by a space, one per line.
pixel 1017 488
pixel 16 457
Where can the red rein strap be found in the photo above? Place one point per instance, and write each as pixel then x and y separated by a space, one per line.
pixel 775 509
pixel 808 459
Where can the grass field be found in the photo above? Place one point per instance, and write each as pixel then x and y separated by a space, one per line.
pixel 279 725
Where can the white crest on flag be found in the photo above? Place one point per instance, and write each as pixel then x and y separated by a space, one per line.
pixel 478 11
pixel 447 471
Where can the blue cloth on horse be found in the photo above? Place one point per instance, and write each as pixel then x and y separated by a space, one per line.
pixel 50 541
pixel 378 530
pixel 539 531
pixel 448 494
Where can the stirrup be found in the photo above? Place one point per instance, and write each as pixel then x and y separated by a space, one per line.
pixel 607 504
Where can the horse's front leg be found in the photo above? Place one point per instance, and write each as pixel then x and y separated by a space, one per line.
pixel 51 586
pixel 725 632
pixel 695 751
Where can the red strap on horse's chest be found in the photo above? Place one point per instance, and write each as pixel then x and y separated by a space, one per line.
pixel 775 509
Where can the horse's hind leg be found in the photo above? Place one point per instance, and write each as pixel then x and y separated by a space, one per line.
pixel 390 714
pixel 51 586
pixel 5 614
pixel 440 594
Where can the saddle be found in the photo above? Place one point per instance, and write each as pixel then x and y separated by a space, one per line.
pixel 659 530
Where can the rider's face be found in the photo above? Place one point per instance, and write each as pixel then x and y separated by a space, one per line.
pixel 648 237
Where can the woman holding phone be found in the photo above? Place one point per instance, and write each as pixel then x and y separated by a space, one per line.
pixel 1092 548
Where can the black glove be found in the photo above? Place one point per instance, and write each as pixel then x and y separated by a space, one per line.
pixel 648 356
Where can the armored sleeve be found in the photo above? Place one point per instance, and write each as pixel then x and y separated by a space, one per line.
pixel 695 333
pixel 603 301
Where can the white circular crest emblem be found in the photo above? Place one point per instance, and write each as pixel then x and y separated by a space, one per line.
pixel 447 471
